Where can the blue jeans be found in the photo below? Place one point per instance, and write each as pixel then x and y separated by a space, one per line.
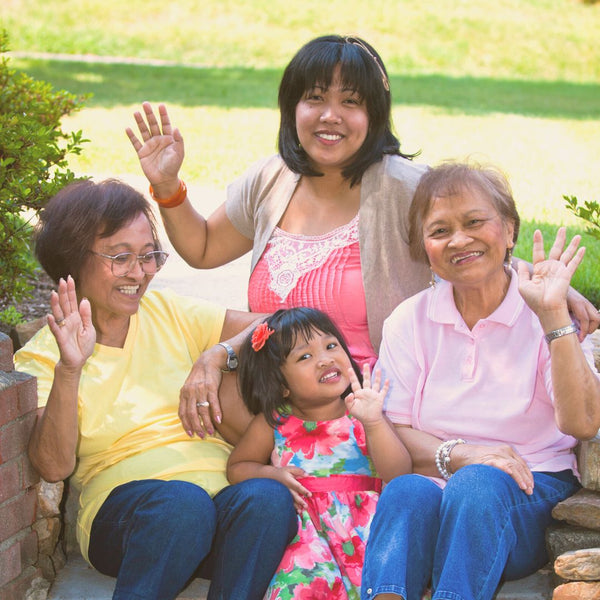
pixel 464 539
pixel 154 536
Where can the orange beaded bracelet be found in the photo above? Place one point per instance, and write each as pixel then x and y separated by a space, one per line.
pixel 172 201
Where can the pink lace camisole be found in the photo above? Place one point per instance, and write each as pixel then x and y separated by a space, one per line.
pixel 322 272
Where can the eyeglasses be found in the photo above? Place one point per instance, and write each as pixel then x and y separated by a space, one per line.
pixel 122 264
pixel 384 78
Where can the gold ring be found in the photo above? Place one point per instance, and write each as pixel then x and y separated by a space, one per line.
pixel 199 404
pixel 61 323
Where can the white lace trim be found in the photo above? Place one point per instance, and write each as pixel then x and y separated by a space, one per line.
pixel 289 256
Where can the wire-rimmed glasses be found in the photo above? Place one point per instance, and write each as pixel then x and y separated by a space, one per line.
pixel 123 263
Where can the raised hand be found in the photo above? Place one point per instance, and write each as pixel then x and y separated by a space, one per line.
pixel 161 150
pixel 366 401
pixel 545 290
pixel 71 325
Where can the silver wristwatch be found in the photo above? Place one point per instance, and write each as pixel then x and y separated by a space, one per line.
pixel 232 359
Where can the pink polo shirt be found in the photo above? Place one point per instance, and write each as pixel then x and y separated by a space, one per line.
pixel 489 385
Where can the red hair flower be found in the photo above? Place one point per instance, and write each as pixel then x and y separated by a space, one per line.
pixel 260 335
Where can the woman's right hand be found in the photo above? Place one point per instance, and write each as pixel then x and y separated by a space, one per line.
pixel 71 324
pixel 161 150
pixel 503 457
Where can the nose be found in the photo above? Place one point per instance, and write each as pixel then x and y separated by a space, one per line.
pixel 325 360
pixel 330 114
pixel 459 239
pixel 136 270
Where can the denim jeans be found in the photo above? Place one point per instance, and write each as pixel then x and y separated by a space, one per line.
pixel 153 536
pixel 464 539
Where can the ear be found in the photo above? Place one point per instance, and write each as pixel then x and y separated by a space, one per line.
pixel 510 232
pixel 285 392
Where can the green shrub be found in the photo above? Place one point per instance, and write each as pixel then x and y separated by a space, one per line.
pixel 33 167
pixel 589 211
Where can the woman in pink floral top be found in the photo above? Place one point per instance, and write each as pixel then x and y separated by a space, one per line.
pixel 322 433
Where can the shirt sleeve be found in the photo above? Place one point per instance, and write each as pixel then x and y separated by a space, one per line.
pixel 400 363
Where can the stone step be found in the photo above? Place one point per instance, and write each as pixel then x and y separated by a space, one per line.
pixel 78 581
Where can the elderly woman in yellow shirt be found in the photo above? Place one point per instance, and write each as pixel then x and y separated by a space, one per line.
pixel 155 504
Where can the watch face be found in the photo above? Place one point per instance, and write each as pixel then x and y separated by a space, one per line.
pixel 232 362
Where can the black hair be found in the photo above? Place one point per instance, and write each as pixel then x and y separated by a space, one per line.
pixel 260 378
pixel 77 215
pixel 361 69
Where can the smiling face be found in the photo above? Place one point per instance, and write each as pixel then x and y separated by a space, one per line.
pixel 466 239
pixel 332 124
pixel 316 372
pixel 116 298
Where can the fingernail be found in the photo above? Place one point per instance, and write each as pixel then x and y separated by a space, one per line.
pixel 190 433
pixel 218 419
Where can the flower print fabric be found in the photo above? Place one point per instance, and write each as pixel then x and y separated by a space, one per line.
pixel 325 559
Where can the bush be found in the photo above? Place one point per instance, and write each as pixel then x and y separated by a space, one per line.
pixel 33 167
pixel 589 211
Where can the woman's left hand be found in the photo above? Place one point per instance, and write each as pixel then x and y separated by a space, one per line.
pixel 366 400
pixel 199 405
pixel 545 290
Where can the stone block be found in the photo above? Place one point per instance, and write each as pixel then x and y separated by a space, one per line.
pixel 588 460
pixel 579 565
pixel 48 531
pixel 561 538
pixel 49 498
pixel 582 509
pixel 577 590
pixel 23 332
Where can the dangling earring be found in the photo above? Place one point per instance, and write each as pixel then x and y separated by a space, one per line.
pixel 432 280
pixel 509 258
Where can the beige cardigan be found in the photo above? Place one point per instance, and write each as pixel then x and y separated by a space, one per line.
pixel 257 200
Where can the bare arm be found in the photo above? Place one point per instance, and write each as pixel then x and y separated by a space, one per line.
pixel 202 243
pixel 207 382
pixel 251 458
pixel 389 454
pixel 576 386
pixel 53 441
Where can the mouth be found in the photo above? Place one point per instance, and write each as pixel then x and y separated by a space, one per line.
pixel 129 290
pixel 465 256
pixel 329 137
pixel 330 375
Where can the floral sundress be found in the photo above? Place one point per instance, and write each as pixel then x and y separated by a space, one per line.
pixel 325 559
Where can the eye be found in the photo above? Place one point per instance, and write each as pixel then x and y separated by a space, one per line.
pixel 150 257
pixel 304 356
pixel 438 232
pixel 331 345
pixel 475 222
pixel 122 259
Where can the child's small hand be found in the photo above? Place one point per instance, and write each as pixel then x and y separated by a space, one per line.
pixel 366 401
pixel 288 476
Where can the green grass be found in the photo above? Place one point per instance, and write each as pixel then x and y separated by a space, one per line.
pixel 512 82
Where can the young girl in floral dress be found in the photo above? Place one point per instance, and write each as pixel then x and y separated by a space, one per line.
pixel 323 434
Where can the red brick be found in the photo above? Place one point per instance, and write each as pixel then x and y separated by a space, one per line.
pixel 17 514
pixel 27 392
pixel 6 353
pixel 29 476
pixel 9 400
pixel 19 588
pixel 14 437
pixel 10 563
pixel 10 480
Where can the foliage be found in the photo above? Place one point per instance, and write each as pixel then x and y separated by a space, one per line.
pixel 33 167
pixel 590 212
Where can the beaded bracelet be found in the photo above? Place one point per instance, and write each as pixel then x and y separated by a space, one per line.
pixel 172 201
pixel 442 457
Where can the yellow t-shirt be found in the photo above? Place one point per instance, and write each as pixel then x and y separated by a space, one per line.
pixel 128 402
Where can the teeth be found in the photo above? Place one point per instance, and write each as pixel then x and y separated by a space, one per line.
pixel 329 376
pixel 330 136
pixel 129 289
pixel 463 256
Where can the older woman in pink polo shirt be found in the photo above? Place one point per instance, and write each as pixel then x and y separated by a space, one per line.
pixel 490 391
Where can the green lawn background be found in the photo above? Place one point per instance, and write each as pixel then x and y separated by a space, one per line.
pixel 512 82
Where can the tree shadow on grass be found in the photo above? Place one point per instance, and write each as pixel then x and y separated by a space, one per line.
pixel 241 87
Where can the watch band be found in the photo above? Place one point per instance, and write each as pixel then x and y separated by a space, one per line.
pixel 232 359
pixel 556 333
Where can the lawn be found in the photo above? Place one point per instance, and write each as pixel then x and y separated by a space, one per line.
pixel 512 82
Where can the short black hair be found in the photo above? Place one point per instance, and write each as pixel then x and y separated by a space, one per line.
pixel 260 378
pixel 361 69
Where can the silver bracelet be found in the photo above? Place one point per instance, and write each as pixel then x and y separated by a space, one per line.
pixel 442 457
pixel 556 333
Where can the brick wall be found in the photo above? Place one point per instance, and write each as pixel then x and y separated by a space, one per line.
pixel 21 570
